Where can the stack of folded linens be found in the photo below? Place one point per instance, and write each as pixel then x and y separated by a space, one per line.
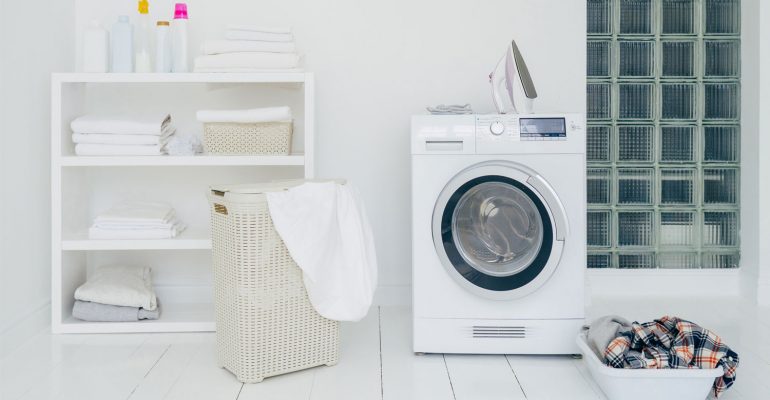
pixel 249 48
pixel 117 293
pixel 137 220
pixel 106 135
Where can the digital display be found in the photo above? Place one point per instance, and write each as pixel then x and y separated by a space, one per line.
pixel 543 128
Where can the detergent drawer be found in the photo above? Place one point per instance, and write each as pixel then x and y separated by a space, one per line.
pixel 443 134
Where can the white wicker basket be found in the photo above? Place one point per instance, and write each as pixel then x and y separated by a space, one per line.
pixel 264 138
pixel 265 323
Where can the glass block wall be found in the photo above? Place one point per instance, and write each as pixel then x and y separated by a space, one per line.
pixel 663 107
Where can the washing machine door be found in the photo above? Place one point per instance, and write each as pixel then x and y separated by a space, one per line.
pixel 499 229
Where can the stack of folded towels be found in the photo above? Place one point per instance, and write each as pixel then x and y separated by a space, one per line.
pixel 137 220
pixel 117 293
pixel 102 135
pixel 249 48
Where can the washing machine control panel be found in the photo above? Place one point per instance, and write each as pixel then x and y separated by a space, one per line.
pixel 502 127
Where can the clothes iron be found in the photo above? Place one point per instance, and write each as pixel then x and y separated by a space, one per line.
pixel 512 77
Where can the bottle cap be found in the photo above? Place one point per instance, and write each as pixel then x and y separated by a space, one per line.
pixel 162 23
pixel 144 6
pixel 180 11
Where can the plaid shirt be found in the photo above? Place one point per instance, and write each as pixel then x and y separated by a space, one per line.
pixel 671 342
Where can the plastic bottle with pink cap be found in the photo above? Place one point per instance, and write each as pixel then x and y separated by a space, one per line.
pixel 179 57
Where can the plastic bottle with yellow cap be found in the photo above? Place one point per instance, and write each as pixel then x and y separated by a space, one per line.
pixel 142 52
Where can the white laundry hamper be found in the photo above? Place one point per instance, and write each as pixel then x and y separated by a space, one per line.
pixel 265 322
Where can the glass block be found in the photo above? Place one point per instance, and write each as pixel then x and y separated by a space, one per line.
pixel 678 58
pixel 598 144
pixel 636 260
pixel 598 100
pixel 721 144
pixel 678 101
pixel 676 186
pixel 722 101
pixel 636 17
pixel 720 186
pixel 599 57
pixel 678 260
pixel 634 185
pixel 634 228
pixel 636 59
pixel 720 260
pixel 678 17
pixel 635 143
pixel 677 228
pixel 720 228
pixel 722 17
pixel 677 144
pixel 598 185
pixel 722 58
pixel 599 260
pixel 599 17
pixel 635 101
pixel 598 228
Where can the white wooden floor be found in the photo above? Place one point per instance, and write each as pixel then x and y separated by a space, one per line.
pixel 376 363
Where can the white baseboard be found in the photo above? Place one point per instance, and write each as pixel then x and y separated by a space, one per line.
pixel 32 321
pixel 663 282
pixel 393 295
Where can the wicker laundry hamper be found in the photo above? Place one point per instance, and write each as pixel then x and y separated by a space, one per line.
pixel 264 138
pixel 265 323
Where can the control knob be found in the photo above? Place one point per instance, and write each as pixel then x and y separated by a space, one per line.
pixel 497 128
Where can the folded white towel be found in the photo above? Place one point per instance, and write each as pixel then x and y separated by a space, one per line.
pixel 235 46
pixel 87 149
pixel 237 70
pixel 247 60
pixel 257 28
pixel 95 233
pixel 237 34
pixel 138 212
pixel 267 114
pixel 109 138
pixel 151 124
pixel 120 285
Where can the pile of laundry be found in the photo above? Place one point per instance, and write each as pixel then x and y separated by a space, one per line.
pixel 136 135
pixel 249 48
pixel 117 293
pixel 668 342
pixel 137 220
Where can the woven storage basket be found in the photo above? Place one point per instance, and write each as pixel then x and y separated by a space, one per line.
pixel 264 138
pixel 265 323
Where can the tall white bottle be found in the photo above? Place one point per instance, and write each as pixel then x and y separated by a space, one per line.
pixel 96 45
pixel 142 35
pixel 162 47
pixel 179 39
pixel 122 44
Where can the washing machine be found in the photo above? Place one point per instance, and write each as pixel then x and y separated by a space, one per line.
pixel 498 233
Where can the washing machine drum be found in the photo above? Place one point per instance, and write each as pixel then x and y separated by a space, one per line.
pixel 495 236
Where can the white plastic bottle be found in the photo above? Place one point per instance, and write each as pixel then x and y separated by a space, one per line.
pixel 142 39
pixel 96 53
pixel 122 44
pixel 162 47
pixel 179 39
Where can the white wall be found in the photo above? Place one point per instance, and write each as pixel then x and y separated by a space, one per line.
pixel 379 62
pixel 37 39
pixel 763 150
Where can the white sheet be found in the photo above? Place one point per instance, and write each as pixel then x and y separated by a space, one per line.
pixel 137 212
pixel 326 231
pixel 238 46
pixel 238 70
pixel 259 28
pixel 109 138
pixel 130 233
pixel 147 124
pixel 88 149
pixel 120 285
pixel 238 34
pixel 247 60
pixel 266 114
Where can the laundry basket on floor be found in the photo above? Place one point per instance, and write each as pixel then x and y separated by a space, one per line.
pixel 265 323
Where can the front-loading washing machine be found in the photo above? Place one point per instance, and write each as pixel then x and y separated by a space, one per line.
pixel 498 233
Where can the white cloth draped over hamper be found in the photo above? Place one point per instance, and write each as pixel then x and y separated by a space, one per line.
pixel 249 48
pixel 120 285
pixel 327 233
pixel 137 220
pixel 108 135
pixel 254 115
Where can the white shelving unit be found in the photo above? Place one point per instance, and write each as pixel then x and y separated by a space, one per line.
pixel 81 187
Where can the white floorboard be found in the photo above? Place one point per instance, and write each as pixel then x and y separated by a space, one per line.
pixel 376 362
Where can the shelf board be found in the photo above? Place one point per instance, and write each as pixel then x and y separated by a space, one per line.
pixel 159 161
pixel 187 240
pixel 192 77
pixel 196 317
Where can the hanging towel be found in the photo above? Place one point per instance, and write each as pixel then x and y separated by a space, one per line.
pixel 86 149
pixel 137 212
pixel 97 312
pixel 151 124
pixel 237 46
pixel 120 285
pixel 257 28
pixel 326 231
pixel 246 60
pixel 238 34
pixel 108 138
pixel 266 114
